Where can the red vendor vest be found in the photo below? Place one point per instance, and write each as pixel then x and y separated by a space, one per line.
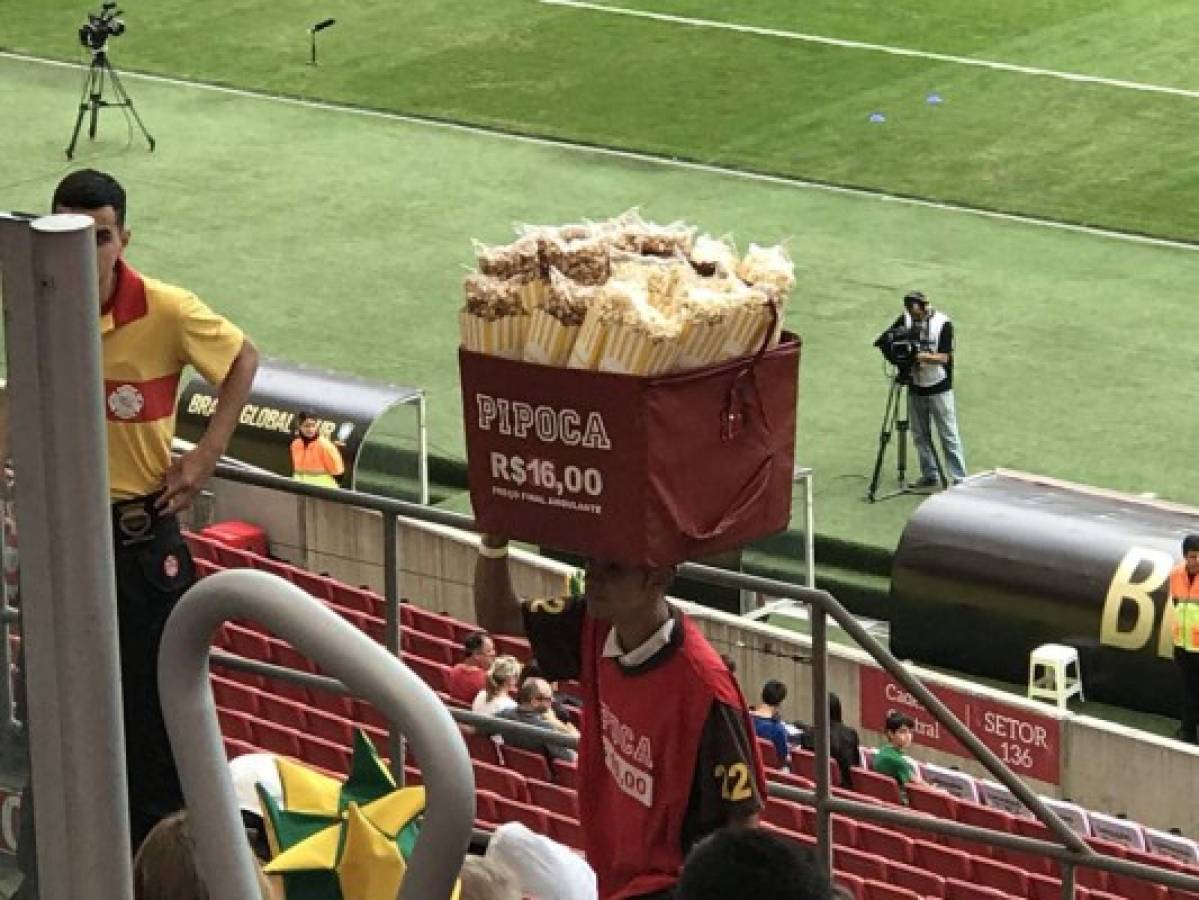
pixel 637 756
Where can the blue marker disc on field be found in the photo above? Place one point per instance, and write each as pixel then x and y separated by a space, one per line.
pixel 877 117
pixel 933 99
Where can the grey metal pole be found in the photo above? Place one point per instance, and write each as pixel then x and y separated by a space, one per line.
pixel 347 654
pixel 77 743
pixel 391 640
pixel 820 721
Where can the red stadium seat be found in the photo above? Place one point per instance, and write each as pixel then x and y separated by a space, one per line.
pixel 565 830
pixel 501 781
pixel 235 748
pixel 330 727
pixel 229 694
pixel 530 816
pixel 877 890
pixel 1001 876
pixel 287 655
pixel 204 568
pixel 789 815
pixel 884 842
pixel 358 599
pixel 529 763
pixel 803 762
pixel 237 725
pixel 804 840
pixel 932 801
pixel 944 861
pixel 317 585
pixel 963 890
pixel 1030 862
pixel 435 675
pixel 926 884
pixel 277 738
pixel 247 643
pixel 855 885
pixel 872 784
pixel 845 829
pixel 566 774
pixel 1042 887
pixel 857 862
pixel 433 648
pixel 770 756
pixel 369 715
pixel 1135 888
pixel 555 799
pixel 487 807
pixel 275 567
pixel 513 646
pixel 249 679
pixel 282 711
pixel 431 622
pixel 982 817
pixel 326 755
pixel 483 748
pixel 791 780
pixel 232 557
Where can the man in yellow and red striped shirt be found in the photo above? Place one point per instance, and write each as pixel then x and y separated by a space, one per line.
pixel 150 332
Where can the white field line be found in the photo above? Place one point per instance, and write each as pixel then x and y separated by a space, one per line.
pixel 614 153
pixel 878 48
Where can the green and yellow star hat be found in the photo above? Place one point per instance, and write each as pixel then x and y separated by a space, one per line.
pixel 342 841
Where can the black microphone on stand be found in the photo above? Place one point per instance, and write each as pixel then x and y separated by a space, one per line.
pixel 319 26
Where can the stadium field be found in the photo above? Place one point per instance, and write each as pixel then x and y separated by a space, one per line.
pixel 339 237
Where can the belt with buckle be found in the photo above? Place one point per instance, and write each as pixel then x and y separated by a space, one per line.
pixel 136 520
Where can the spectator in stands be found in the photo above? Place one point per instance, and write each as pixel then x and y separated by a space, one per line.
pixel 470 676
pixel 667 753
pixel 150 332
pixel 1184 594
pixel 750 862
pixel 487 879
pixel 496 696
pixel 314 458
pixel 567 707
pixel 533 707
pixel 165 866
pixel 892 758
pixel 843 742
pixel 768 722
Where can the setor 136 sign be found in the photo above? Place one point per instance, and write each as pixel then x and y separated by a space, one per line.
pixel 1030 743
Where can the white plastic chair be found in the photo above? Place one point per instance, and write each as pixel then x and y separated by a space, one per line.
pixel 1049 675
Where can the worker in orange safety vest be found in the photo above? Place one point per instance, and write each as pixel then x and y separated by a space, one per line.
pixel 1184 595
pixel 315 459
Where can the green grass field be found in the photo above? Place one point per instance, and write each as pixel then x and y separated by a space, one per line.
pixel 340 238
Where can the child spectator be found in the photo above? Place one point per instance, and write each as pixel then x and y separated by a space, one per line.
pixel 767 718
pixel 496 696
pixel 891 758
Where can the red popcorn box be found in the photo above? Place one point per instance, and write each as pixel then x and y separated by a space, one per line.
pixel 646 471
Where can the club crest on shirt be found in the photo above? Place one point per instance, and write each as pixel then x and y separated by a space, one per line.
pixel 126 401
pixel 170 565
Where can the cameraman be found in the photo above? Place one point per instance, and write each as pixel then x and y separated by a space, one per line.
pixel 930 398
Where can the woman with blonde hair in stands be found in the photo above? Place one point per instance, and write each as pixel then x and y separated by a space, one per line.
pixel 496 695
pixel 165 865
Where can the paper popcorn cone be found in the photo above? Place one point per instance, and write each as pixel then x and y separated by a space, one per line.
pixel 503 337
pixel 746 326
pixel 630 350
pixel 549 342
pixel 589 343
pixel 533 294
pixel 700 344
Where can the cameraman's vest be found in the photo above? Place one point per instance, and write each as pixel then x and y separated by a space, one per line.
pixel 928 375
pixel 1186 615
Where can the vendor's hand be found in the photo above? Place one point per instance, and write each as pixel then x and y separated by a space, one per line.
pixel 925 357
pixel 184 479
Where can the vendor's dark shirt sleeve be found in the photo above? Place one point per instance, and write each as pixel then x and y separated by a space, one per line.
pixel 724 786
pixel 555 630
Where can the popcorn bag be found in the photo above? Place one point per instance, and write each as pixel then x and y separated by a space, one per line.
pixel 637 469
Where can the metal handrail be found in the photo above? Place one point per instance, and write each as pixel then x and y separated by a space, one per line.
pixel 823 605
pixel 321 635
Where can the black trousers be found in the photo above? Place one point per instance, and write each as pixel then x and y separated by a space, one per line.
pixel 1188 668
pixel 153 570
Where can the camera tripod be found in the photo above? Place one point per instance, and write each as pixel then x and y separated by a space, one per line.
pixel 93 100
pixel 895 419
